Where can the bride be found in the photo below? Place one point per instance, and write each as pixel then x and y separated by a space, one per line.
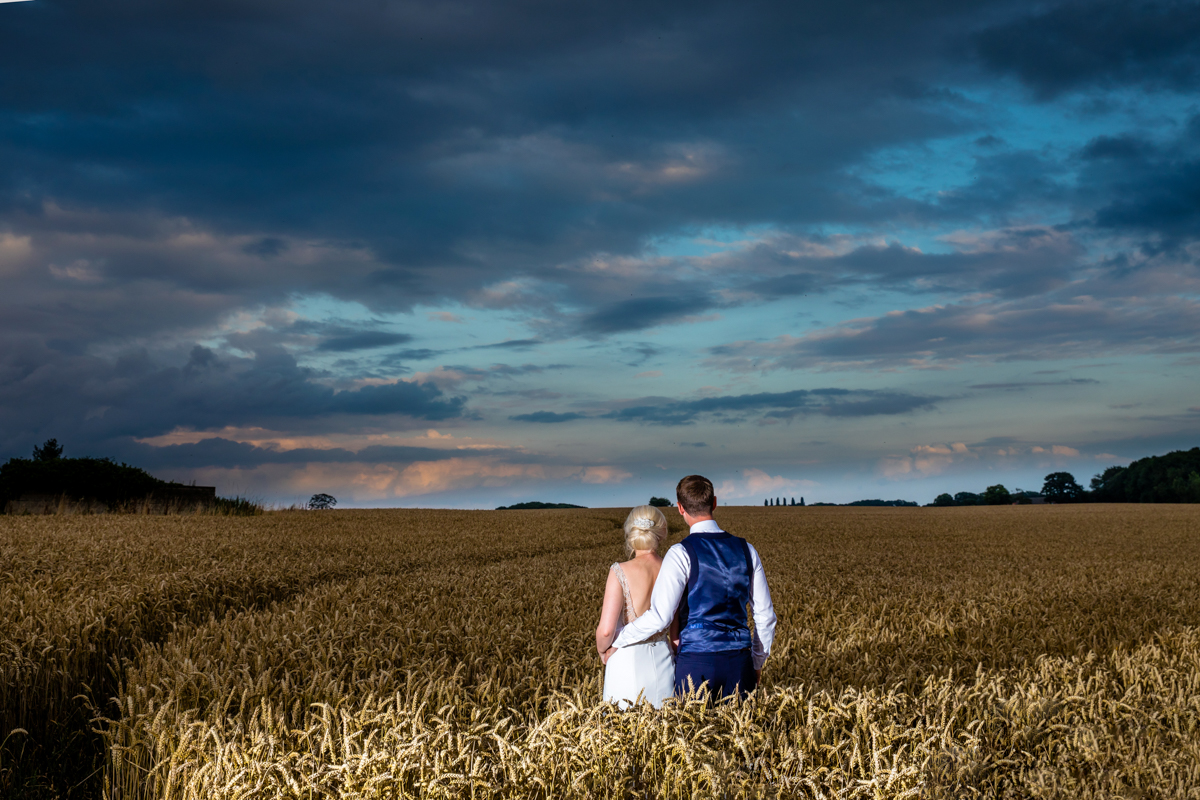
pixel 646 669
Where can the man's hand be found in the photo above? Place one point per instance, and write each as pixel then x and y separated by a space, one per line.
pixel 758 676
pixel 607 654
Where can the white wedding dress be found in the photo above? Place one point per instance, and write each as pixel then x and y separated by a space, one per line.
pixel 646 668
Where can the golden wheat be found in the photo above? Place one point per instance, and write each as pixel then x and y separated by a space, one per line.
pixel 985 652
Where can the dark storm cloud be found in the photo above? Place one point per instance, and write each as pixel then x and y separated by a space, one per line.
pixel 510 344
pixel 363 340
pixel 1141 185
pixel 776 405
pixel 1006 186
pixel 431 153
pixel 1009 262
pixel 642 312
pixel 1006 331
pixel 1082 44
pixel 90 400
pixel 1017 263
pixel 1017 385
pixel 165 168
pixel 405 153
pixel 547 417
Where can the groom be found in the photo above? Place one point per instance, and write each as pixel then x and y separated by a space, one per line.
pixel 707 580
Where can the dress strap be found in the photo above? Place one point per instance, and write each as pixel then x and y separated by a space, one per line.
pixel 616 567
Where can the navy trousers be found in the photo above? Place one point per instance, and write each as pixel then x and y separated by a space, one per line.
pixel 727 672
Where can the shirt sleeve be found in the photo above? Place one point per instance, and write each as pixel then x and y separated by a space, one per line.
pixel 763 610
pixel 664 599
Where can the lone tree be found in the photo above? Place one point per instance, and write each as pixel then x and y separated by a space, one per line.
pixel 660 502
pixel 321 502
pixel 49 451
pixel 1060 487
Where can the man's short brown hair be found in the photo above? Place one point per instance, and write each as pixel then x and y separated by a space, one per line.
pixel 695 493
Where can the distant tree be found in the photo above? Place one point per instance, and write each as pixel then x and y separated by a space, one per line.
pixel 966 499
pixel 766 502
pixel 943 499
pixel 801 501
pixel 536 504
pixel 997 495
pixel 660 502
pixel 48 451
pixel 320 502
pixel 1106 478
pixel 1060 487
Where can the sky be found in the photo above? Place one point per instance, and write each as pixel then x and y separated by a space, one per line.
pixel 466 254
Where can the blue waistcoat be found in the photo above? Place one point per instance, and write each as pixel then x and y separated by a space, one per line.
pixel 712 616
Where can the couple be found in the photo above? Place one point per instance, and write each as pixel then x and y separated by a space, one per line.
pixel 668 624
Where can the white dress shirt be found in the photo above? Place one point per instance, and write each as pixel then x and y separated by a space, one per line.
pixel 672 583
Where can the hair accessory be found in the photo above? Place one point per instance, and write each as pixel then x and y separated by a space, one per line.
pixel 645 524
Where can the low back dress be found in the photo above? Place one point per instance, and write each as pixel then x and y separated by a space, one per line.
pixel 646 668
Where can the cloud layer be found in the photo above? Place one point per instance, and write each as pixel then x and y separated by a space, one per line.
pixel 572 230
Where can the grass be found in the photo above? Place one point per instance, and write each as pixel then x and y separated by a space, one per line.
pixel 988 652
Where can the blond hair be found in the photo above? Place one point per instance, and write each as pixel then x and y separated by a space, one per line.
pixel 645 528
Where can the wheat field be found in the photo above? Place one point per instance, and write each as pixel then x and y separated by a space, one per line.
pixel 1024 651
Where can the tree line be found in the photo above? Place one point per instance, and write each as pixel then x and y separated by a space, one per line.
pixel 1170 478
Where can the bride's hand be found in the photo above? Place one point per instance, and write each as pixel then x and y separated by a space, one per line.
pixel 607 654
